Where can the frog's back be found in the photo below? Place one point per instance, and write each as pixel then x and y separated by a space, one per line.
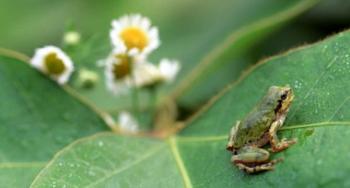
pixel 264 112
pixel 257 119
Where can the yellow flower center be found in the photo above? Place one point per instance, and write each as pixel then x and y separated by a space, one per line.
pixel 53 64
pixel 134 37
pixel 123 67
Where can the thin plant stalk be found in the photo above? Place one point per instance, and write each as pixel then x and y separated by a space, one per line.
pixel 135 100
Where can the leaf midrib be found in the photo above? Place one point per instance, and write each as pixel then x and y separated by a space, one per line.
pixel 34 164
pixel 179 161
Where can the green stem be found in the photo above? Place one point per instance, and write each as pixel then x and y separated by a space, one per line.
pixel 153 103
pixel 135 101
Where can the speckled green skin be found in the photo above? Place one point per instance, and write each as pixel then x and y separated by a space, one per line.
pixel 258 121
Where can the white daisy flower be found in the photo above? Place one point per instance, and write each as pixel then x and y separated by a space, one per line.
pixel 118 71
pixel 54 62
pixel 135 33
pixel 127 122
pixel 148 74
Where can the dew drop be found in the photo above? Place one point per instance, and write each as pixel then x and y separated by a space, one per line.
pixel 91 173
pixel 67 116
pixel 53 184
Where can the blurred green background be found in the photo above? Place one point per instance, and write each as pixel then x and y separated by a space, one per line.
pixel 26 25
pixel 189 30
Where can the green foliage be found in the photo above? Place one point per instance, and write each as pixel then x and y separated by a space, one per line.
pixel 318 74
pixel 217 43
pixel 318 118
pixel 107 160
pixel 53 136
pixel 37 119
pixel 233 55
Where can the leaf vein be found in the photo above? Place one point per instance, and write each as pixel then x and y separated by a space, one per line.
pixel 175 151
pixel 340 106
pixel 22 164
pixel 136 162
pixel 313 87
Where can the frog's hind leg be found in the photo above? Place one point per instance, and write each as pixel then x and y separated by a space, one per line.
pixel 257 168
pixel 276 144
pixel 252 159
pixel 265 139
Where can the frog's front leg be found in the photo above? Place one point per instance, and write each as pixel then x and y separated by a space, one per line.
pixel 252 159
pixel 277 145
pixel 231 137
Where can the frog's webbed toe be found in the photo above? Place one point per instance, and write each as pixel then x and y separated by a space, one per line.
pixel 276 144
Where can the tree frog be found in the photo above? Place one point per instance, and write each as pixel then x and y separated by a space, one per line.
pixel 259 128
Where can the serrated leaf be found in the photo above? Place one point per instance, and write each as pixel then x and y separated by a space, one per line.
pixel 37 118
pixel 319 118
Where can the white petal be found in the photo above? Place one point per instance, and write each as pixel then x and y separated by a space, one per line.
pixel 135 20
pixel 117 88
pixel 127 122
pixel 145 23
pixel 146 74
pixel 169 69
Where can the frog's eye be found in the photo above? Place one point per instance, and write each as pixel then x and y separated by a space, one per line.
pixel 284 96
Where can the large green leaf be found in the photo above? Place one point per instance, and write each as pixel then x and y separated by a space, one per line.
pixel 37 118
pixel 214 36
pixel 319 75
pixel 107 160
pixel 319 118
